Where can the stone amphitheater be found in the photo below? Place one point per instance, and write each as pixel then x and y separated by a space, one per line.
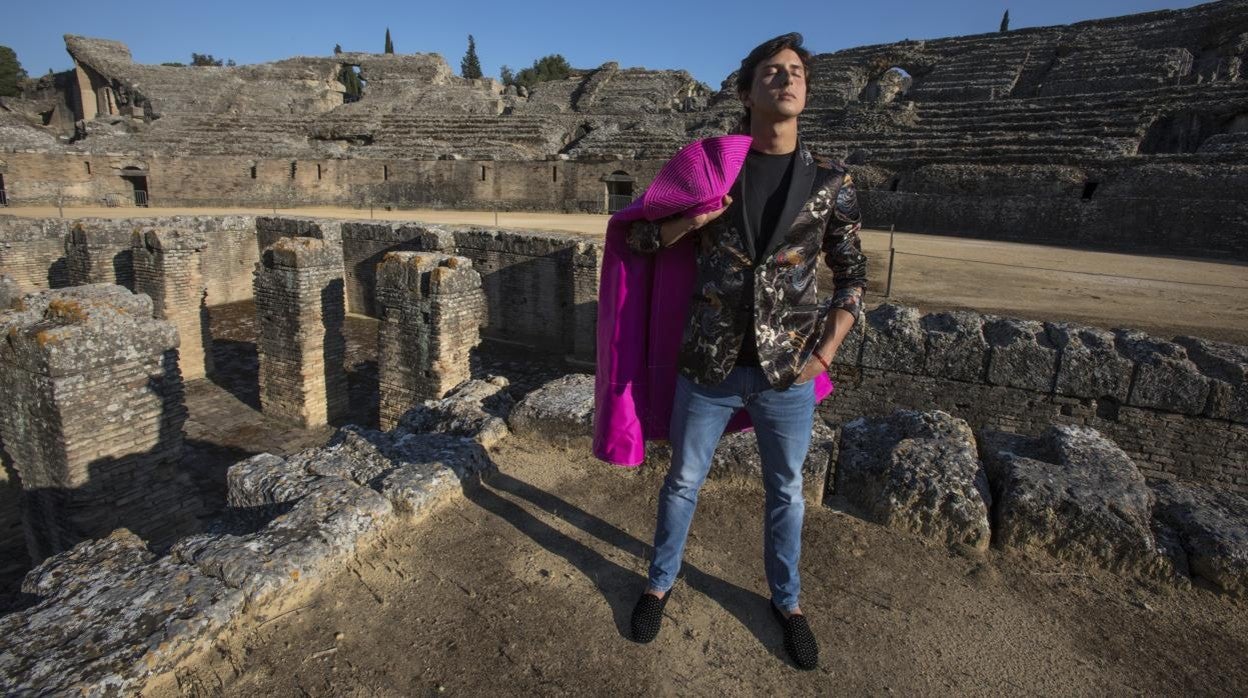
pixel 284 454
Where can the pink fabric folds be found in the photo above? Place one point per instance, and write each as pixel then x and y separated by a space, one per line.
pixel 643 303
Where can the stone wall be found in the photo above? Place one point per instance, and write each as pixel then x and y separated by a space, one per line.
pixel 541 288
pixel 1205 212
pixel 95 426
pixel 297 180
pixel 1178 408
pixel 34 251
pixel 535 287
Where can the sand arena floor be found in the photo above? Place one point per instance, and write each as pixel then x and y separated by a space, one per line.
pixel 525 586
pixel 1166 296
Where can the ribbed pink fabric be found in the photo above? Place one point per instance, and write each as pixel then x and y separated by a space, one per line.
pixel 643 303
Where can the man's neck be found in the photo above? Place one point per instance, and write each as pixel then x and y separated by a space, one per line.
pixel 774 137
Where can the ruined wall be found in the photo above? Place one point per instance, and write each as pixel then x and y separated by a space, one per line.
pixel 206 180
pixel 1179 409
pixel 430 307
pixel 541 288
pixel 34 251
pixel 95 425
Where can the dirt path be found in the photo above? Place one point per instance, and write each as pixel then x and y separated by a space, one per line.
pixel 1176 296
pixel 525 587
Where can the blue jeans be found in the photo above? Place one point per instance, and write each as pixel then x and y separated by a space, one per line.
pixel 782 423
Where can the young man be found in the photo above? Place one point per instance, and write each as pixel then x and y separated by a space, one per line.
pixel 756 335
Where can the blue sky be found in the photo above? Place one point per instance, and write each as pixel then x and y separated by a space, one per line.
pixel 707 39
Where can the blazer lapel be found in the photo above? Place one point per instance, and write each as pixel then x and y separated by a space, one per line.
pixel 799 190
pixel 735 214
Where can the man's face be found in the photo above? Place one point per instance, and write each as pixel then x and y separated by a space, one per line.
pixel 778 91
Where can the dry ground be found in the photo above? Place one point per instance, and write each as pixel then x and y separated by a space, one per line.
pixel 525 586
pixel 1202 297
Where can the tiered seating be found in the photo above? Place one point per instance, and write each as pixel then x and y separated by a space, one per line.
pixel 633 143
pixel 428 136
pixel 1057 129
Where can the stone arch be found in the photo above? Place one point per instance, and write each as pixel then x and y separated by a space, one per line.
pixel 619 188
pixel 887 86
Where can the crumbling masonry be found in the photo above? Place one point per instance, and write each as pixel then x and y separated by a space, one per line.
pixel 300 312
pixel 94 424
pixel 431 308
pixel 168 268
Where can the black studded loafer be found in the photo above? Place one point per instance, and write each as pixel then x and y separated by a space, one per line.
pixel 799 641
pixel 648 616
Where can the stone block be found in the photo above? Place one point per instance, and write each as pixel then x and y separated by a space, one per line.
pixel 1164 377
pixel 1091 365
pixel 1227 367
pixel 916 472
pixel 1212 529
pixel 561 411
pixel 893 339
pixel 1075 495
pixel 1021 354
pixel 956 347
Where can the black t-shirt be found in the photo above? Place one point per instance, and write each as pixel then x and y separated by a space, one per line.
pixel 765 182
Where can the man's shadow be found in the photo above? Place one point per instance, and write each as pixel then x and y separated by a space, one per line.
pixel 619 585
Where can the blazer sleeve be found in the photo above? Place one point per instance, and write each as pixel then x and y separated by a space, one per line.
pixel 842 250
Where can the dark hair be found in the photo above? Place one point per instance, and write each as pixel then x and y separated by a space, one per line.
pixel 765 50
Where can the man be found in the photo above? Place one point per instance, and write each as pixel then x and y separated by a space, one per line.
pixel 756 335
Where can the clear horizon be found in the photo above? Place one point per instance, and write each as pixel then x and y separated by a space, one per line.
pixel 649 34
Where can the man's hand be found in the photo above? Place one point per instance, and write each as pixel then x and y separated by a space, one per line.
pixel 677 228
pixel 813 368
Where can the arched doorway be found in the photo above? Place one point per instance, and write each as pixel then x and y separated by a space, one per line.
pixel 619 190
pixel 889 86
pixel 137 178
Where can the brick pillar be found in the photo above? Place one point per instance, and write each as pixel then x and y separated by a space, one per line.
pixel 98 255
pixel 94 416
pixel 586 266
pixel 168 268
pixel 300 313
pixel 431 308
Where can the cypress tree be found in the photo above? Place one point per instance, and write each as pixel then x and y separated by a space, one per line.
pixel 470 66
pixel 389 43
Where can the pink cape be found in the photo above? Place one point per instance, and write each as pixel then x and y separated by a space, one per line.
pixel 643 304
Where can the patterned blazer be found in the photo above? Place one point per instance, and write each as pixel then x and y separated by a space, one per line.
pixel 820 217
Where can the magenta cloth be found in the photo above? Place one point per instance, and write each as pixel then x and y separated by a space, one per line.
pixel 643 304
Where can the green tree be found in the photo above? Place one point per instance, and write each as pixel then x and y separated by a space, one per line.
pixel 1005 21
pixel 552 67
pixel 389 43
pixel 470 66
pixel 205 59
pixel 11 73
